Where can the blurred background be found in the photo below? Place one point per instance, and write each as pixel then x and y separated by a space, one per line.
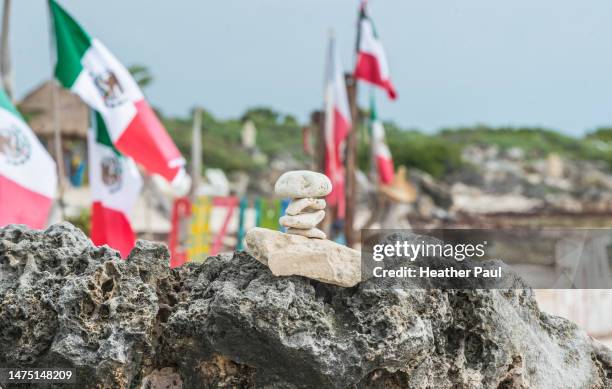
pixel 504 116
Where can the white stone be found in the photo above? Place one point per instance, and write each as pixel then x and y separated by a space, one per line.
pixel 321 260
pixel 311 233
pixel 307 204
pixel 304 221
pixel 302 183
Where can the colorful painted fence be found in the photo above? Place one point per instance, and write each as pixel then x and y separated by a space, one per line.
pixel 209 225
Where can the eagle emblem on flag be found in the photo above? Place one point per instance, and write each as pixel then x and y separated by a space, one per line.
pixel 110 88
pixel 112 172
pixel 14 145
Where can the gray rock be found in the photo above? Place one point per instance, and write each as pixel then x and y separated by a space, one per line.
pixel 229 322
pixel 439 191
pixel 65 303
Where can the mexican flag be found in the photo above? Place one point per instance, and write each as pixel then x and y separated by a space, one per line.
pixel 380 150
pixel 337 127
pixel 372 65
pixel 115 185
pixel 87 68
pixel 28 175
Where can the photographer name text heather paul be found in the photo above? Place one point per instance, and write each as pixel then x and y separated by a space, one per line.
pixel 494 258
pixel 421 249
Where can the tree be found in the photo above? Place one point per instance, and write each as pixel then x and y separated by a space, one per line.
pixel 142 75
pixel 261 115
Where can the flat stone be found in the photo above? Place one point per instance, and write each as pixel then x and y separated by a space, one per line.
pixel 311 233
pixel 321 260
pixel 304 221
pixel 298 206
pixel 302 183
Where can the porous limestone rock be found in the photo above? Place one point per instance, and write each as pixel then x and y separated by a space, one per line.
pixel 229 322
pixel 303 221
pixel 66 303
pixel 322 260
pixel 308 204
pixel 302 183
pixel 311 233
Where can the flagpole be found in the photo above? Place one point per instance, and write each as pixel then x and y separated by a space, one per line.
pixel 317 120
pixel 351 157
pixel 5 51
pixel 57 136
pixel 351 147
pixel 373 169
pixel 196 151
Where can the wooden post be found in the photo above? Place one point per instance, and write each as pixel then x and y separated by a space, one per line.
pixel 373 167
pixel 57 143
pixel 196 151
pixel 148 194
pixel 317 123
pixel 351 163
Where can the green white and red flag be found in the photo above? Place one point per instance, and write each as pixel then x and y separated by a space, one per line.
pixel 28 175
pixel 86 67
pixel 372 65
pixel 380 150
pixel 337 126
pixel 115 184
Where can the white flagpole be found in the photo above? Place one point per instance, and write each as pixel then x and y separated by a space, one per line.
pixel 6 70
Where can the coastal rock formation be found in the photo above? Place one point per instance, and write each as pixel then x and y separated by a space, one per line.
pixel 229 322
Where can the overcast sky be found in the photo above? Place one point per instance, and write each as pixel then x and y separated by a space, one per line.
pixel 520 62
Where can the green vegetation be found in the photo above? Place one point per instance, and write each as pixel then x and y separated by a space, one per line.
pixel 411 148
pixel 603 134
pixel 221 141
pixel 438 154
pixel 142 75
pixel 82 220
pixel 430 153
pixel 279 134
pixel 535 141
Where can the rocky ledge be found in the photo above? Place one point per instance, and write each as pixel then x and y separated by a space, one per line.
pixel 230 323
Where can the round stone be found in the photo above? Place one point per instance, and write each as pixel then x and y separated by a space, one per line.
pixel 302 183
pixel 304 205
pixel 304 221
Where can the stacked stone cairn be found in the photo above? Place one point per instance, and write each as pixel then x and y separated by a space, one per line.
pixel 307 208
pixel 304 250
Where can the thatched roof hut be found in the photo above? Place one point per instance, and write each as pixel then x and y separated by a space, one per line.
pixel 37 107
